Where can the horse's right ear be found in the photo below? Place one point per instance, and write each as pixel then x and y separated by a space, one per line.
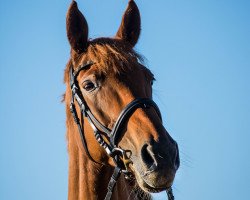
pixel 77 29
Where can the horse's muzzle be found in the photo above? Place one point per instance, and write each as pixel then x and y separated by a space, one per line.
pixel 158 165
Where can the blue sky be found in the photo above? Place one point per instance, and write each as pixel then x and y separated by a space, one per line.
pixel 199 52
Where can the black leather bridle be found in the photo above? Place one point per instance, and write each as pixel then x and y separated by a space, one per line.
pixel 120 156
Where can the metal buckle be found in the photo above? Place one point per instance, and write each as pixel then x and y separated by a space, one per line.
pixel 125 156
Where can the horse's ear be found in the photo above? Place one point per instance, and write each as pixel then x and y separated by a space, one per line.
pixel 130 27
pixel 77 29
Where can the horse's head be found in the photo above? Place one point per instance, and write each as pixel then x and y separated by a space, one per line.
pixel 116 78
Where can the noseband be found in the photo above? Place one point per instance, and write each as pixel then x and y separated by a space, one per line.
pixel 119 156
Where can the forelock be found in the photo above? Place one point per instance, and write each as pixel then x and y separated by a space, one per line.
pixel 112 55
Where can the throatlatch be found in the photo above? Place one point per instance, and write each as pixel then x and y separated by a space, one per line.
pixel 120 156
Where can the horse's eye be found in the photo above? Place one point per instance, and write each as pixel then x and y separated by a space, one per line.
pixel 152 82
pixel 88 86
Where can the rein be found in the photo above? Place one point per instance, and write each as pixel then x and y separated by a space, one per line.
pixel 120 156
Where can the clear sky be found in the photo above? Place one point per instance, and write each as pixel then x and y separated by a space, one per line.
pixel 199 51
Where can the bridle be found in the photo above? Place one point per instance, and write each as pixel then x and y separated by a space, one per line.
pixel 120 156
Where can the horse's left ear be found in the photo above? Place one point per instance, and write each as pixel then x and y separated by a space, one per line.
pixel 130 27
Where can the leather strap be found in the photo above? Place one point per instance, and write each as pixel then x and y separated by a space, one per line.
pixel 170 193
pixel 79 98
pixel 116 174
pixel 82 136
pixel 126 113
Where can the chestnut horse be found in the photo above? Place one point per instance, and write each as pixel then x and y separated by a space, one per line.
pixel 114 79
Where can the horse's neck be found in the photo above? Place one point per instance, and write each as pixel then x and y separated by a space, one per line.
pixel 88 180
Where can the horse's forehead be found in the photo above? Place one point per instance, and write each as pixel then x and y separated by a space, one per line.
pixel 110 59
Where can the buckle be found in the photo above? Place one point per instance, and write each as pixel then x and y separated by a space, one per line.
pixel 124 156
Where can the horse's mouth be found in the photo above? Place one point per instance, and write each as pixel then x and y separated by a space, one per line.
pixel 146 186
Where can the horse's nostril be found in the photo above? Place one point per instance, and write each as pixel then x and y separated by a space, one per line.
pixel 148 156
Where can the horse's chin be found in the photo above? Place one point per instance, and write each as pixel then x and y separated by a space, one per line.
pixel 150 185
pixel 146 186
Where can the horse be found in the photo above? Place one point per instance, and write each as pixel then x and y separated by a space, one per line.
pixel 107 88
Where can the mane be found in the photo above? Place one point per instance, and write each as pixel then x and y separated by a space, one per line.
pixel 110 54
